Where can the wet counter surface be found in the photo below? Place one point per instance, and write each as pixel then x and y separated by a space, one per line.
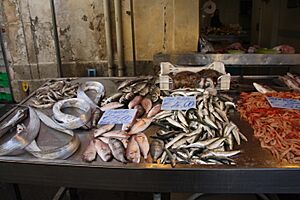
pixel 256 170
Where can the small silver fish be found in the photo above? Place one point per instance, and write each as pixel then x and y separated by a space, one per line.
pixel 219 153
pixel 125 98
pixel 139 87
pixel 175 123
pixel 144 91
pixel 114 97
pixel 262 89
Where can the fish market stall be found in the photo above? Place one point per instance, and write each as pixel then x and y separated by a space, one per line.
pixel 147 155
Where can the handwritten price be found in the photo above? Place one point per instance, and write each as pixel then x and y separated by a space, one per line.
pixel 120 116
pixel 178 103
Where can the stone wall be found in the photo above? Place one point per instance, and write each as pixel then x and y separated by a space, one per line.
pixel 168 26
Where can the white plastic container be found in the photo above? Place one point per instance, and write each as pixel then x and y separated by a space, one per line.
pixel 166 68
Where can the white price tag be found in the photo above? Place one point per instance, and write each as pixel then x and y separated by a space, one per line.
pixel 178 103
pixel 119 116
pixel 284 103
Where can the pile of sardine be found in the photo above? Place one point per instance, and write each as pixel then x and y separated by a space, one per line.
pixel 129 89
pixel 204 135
pixel 124 147
pixel 52 92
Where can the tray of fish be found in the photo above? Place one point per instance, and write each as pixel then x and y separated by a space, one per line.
pixel 23 129
pixel 69 130
pixel 126 142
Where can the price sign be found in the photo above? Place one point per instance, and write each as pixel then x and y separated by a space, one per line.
pixel 178 103
pixel 119 116
pixel 284 103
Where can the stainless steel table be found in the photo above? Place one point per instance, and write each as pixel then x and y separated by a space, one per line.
pixel 256 170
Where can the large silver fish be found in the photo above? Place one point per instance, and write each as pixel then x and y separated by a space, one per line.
pixel 60 152
pixel 91 85
pixel 24 137
pixel 70 121
pixel 18 117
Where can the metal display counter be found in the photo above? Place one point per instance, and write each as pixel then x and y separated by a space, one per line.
pixel 230 59
pixel 256 170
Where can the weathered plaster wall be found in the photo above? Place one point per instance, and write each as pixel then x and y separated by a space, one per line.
pixel 30 38
pixel 169 26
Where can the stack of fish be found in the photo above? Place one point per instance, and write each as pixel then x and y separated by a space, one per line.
pixel 122 146
pixel 129 89
pixel 204 135
pixel 52 92
pixel 292 81
pixel 129 143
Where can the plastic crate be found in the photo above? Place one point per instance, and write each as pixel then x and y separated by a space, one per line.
pixel 4 81
pixel 166 82
pixel 5 97
pixel 3 76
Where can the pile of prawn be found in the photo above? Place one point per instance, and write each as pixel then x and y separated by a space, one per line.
pixel 277 129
